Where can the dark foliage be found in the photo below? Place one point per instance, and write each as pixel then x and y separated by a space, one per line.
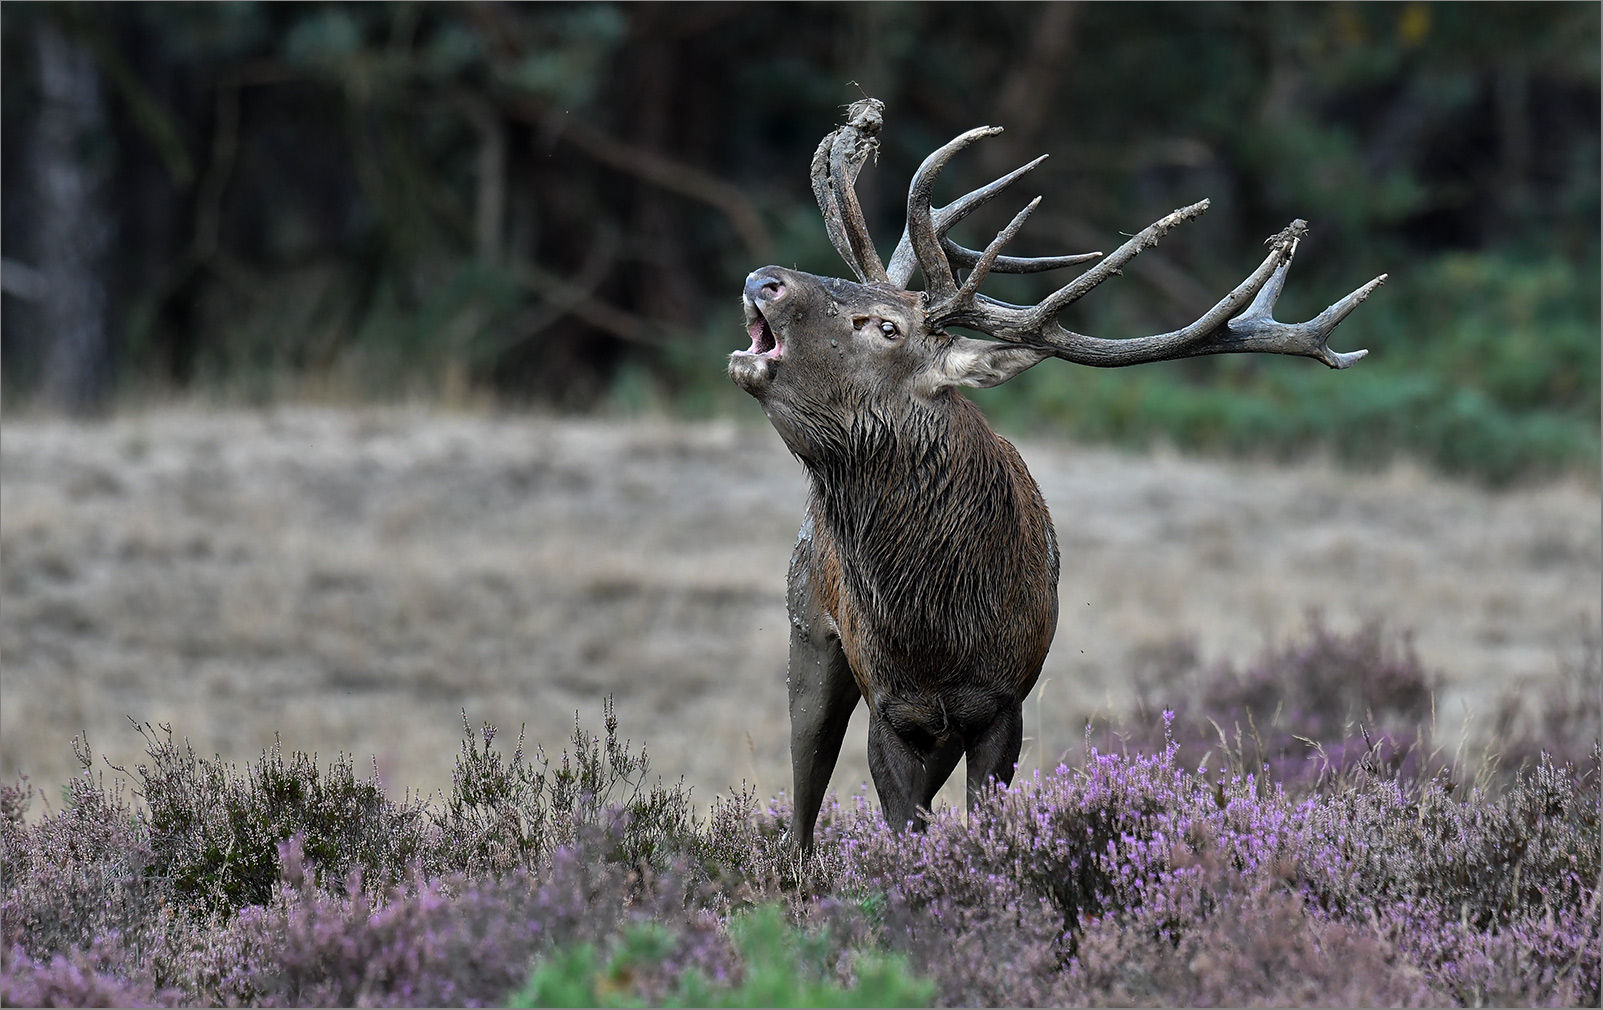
pixel 556 202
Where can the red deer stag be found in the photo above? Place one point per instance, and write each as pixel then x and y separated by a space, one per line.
pixel 924 578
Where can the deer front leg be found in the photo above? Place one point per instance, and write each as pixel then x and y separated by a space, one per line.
pixel 823 695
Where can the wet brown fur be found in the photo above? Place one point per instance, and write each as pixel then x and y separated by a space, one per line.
pixel 933 554
pixel 926 557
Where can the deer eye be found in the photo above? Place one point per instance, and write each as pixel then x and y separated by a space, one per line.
pixel 888 329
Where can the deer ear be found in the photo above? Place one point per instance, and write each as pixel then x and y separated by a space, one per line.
pixel 969 362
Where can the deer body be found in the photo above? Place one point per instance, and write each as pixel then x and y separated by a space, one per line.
pixel 924 578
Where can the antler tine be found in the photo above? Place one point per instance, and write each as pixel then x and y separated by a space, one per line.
pixel 960 208
pixel 902 262
pixel 922 233
pixel 846 160
pixel 1143 240
pixel 964 299
pixel 964 257
pixel 1256 329
pixel 836 163
pixel 829 206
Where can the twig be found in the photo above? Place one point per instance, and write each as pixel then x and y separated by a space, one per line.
pixel 578 301
pixel 659 170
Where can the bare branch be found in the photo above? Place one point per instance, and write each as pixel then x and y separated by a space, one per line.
pixel 658 169
pixel 577 298
pixel 559 296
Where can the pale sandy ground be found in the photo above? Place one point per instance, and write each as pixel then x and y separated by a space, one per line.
pixel 352 579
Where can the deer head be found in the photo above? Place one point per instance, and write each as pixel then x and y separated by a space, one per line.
pixel 824 347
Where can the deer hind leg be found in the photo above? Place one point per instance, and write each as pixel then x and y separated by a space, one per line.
pixel 939 768
pixel 900 771
pixel 912 749
pixel 994 753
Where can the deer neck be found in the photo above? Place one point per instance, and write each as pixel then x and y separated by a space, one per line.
pixel 923 507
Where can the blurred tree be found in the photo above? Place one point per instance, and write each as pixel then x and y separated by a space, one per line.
pixel 549 202
pixel 74 226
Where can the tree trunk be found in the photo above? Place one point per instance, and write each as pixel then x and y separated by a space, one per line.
pixel 73 229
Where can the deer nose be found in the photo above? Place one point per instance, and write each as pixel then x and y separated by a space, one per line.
pixel 761 287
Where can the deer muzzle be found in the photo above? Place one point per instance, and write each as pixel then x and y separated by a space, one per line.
pixel 753 368
pixel 762 291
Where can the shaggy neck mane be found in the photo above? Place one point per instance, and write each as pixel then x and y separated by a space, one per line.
pixel 926 511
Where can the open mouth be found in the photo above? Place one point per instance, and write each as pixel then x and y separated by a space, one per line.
pixel 764 343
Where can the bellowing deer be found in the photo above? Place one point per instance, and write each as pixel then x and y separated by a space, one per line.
pixel 924 579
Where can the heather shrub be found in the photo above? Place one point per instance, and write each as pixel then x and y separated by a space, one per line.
pixel 1496 891
pixel 1136 854
pixel 506 812
pixel 1255 944
pixel 215 832
pixel 79 877
pixel 1130 877
pixel 72 979
pixel 432 941
pixel 15 799
pixel 1308 711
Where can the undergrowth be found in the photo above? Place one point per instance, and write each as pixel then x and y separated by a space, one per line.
pixel 1288 834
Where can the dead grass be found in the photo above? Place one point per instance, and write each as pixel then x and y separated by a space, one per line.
pixel 352 579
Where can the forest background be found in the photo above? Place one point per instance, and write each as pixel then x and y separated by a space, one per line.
pixel 555 204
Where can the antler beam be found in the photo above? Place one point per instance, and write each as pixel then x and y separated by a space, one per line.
pixel 1241 321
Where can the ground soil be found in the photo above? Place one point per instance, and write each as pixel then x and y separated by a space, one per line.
pixel 353 580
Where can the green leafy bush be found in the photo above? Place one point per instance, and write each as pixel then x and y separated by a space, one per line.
pixel 215 831
pixel 780 966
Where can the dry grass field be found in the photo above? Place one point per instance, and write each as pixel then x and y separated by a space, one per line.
pixel 352 580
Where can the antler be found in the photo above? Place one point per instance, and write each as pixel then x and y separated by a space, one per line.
pixel 835 166
pixel 1242 321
